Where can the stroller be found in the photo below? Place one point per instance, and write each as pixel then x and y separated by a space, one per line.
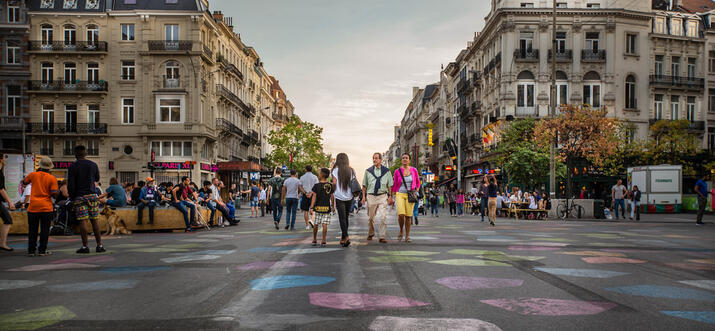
pixel 62 219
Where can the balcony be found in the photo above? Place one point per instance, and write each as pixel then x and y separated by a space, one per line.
pixel 248 110
pixel 278 117
pixel 225 93
pixel 564 55
pixel 67 128
pixel 476 78
pixel 37 46
pixel 172 82
pixel 170 45
pixel 690 83
pixel 526 55
pixel 229 67
pixel 592 55
pixel 225 126
pixel 11 123
pixel 208 53
pixel 526 111
pixel 62 86
pixel 462 85
pixel 251 136
pixel 463 110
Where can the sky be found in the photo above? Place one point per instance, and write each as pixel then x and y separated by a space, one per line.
pixel 349 66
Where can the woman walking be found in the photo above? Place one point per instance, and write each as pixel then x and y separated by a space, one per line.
pixel 460 203
pixel 342 174
pixel 406 179
pixel 492 202
pixel 452 200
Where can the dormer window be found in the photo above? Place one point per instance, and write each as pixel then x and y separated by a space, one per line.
pixel 659 26
pixel 692 31
pixel 676 26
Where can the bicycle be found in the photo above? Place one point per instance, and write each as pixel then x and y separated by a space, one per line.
pixel 61 220
pixel 564 210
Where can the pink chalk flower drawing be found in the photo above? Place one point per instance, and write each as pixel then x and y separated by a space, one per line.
pixel 360 301
pixel 550 307
pixel 471 283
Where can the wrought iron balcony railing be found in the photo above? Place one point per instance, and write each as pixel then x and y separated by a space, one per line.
pixel 67 86
pixel 170 45
pixel 564 55
pixel 526 55
pixel 63 46
pixel 593 55
pixel 677 82
pixel 172 81
pixel 11 123
pixel 67 128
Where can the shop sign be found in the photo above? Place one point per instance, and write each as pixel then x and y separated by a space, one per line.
pixel 209 167
pixel 266 174
pixel 172 165
pixel 481 171
pixel 255 175
pixel 62 164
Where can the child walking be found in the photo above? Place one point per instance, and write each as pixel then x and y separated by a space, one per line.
pixel 320 205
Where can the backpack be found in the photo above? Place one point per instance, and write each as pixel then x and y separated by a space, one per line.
pixel 276 187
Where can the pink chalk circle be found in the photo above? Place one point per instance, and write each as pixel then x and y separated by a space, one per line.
pixel 364 302
pixel 62 266
pixel 406 323
pixel 533 248
pixel 93 259
pixel 271 265
pixel 550 307
pixel 692 266
pixel 609 259
pixel 471 283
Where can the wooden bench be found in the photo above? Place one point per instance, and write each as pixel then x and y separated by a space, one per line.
pixel 537 212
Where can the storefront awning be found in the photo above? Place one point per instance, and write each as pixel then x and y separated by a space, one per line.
pixel 238 166
pixel 446 181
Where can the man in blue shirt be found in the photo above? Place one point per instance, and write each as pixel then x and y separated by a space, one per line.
pixel 701 189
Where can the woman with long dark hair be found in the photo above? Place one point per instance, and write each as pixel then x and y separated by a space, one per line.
pixel 342 174
pixel 4 213
pixel 400 189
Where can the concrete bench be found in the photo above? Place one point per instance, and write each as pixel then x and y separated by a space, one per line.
pixel 165 218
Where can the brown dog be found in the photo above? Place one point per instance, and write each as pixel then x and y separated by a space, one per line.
pixel 114 222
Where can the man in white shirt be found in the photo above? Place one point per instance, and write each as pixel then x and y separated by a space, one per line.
pixel 220 205
pixel 307 181
pixel 291 187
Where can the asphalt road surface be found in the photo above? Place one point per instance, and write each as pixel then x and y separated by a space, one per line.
pixel 457 274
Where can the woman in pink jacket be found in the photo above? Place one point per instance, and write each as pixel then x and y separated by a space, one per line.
pixel 400 189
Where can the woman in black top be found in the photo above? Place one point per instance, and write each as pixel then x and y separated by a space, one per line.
pixel 4 213
pixel 492 189
pixel 635 203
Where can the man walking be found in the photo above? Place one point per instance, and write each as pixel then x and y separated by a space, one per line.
pixel 81 176
pixel 618 193
pixel 376 183
pixel 291 187
pixel 701 188
pixel 307 181
pixel 275 189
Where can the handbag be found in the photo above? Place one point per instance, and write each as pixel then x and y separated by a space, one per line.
pixel 355 186
pixel 411 194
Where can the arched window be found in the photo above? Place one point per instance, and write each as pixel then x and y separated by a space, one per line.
pixel 592 89
pixel 70 73
pixel 92 35
pixel 525 94
pixel 93 73
pixel 171 74
pixel 46 35
pixel 562 88
pixel 47 72
pixel 631 100
pixel 70 35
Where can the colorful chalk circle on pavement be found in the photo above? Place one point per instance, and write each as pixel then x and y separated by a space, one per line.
pixel 472 283
pixel 361 301
pixel 550 307
pixel 589 273
pixel 669 292
pixel 288 281
pixel 34 319
pixel 440 324
pixel 271 265
pixel 9 284
pixel 700 316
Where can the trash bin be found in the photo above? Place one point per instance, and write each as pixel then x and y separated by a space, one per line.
pixel 598 206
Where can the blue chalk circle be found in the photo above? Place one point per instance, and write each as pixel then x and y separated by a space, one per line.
pixel 288 281
pixel 669 292
pixel 700 316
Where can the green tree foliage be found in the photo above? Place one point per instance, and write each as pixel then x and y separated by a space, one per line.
pixel 301 139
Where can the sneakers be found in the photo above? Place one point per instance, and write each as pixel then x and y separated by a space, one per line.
pixel 287 227
pixel 100 249
pixel 31 254
pixel 83 250
pixel 383 241
pixel 139 223
pixel 699 223
pixel 417 222
pixel 276 225
pixel 44 253
pixel 189 230
pixel 307 227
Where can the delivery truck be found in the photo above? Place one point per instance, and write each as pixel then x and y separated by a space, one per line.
pixel 661 187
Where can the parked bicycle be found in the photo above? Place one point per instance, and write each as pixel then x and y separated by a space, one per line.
pixel 567 208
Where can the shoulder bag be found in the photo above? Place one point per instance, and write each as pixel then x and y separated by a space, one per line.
pixel 355 186
pixel 411 194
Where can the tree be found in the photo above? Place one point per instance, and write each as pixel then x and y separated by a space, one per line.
pixel 300 140
pixel 580 133
pixel 671 143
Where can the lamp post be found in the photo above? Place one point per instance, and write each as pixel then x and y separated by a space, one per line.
pixel 552 109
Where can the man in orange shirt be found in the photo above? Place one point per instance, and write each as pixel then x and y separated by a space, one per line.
pixel 39 213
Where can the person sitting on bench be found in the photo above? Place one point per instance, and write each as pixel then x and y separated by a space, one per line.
pixel 114 196
pixel 148 197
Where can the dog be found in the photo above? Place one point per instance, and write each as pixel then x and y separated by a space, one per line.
pixel 114 222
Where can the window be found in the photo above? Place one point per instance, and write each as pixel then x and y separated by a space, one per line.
pixel 13 55
pixel 70 73
pixel 692 29
pixel 169 110
pixel 674 107
pixel 562 89
pixel 48 118
pixel 93 147
pixel 171 32
pixel 561 5
pixel 127 31
pixel 711 62
pixel 128 70
pixel 69 146
pixel 525 87
pixel 13 11
pixel 659 26
pixel 526 41
pixel 47 72
pixel 592 41
pixel 70 35
pixel 631 42
pixel 46 147
pixel 675 66
pixel 691 109
pixel 172 74
pixel 659 71
pixel 658 107
pixel 70 118
pixel 205 152
pixel 92 35
pixel 692 66
pixel 46 35
pixel 711 101
pixel 93 116
pixel 14 101
pixel 592 89
pixel 676 26
pixel 527 5
pixel 593 5
pixel 561 42
pixel 631 100
pixel 171 148
pixel 127 111
pixel 93 73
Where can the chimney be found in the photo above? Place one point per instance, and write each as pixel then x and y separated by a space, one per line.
pixel 229 22
pixel 218 15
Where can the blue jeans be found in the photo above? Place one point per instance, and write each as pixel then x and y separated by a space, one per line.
pixel 115 203
pixel 460 209
pixel 181 206
pixel 140 211
pixel 277 209
pixel 231 210
pixel 291 209
pixel 435 209
pixel 212 207
pixel 622 203
pixel 483 206
pixel 416 210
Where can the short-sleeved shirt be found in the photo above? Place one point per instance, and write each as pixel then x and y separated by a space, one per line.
pixel 255 192
pixel 81 176
pixel 322 197
pixel 370 181
pixel 701 187
pixel 492 190
pixel 262 196
pixel 216 193
pixel 44 186
pixel 276 184
pixel 340 193
pixel 291 184
pixel 117 193
pixel 307 181
pixel 619 191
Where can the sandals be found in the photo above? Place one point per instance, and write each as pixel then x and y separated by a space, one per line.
pixel 323 244
pixel 315 243
pixel 399 237
pixel 408 240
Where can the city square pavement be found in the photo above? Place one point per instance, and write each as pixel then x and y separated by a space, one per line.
pixel 457 274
